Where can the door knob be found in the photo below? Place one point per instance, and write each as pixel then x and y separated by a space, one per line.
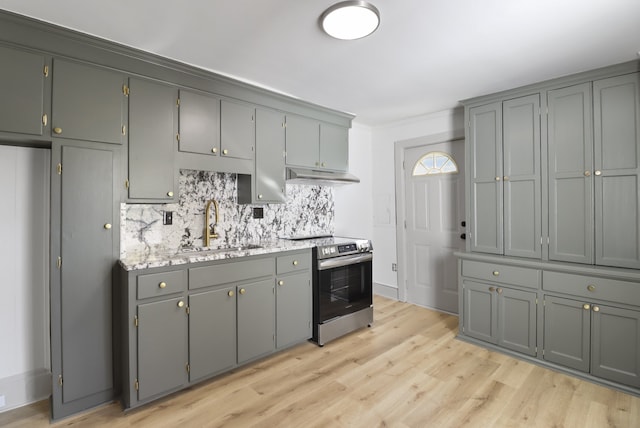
pixel 463 236
pixel 463 223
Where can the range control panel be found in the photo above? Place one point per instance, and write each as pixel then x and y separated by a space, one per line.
pixel 335 250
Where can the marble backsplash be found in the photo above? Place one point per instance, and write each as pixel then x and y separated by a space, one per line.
pixel 308 210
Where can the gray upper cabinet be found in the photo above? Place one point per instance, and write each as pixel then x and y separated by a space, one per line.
pixel 570 152
pixel 334 147
pixel 485 178
pixel 88 103
pixel 199 123
pixel 293 309
pixel 270 146
pixel 152 141
pixel 22 85
pixel 617 170
pixel 256 320
pixel 237 129
pixel 303 141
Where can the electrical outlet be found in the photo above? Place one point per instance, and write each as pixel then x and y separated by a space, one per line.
pixel 258 212
pixel 394 267
pixel 167 217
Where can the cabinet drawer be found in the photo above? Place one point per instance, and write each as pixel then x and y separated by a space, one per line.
pixel 225 273
pixel 160 284
pixel 293 263
pixel 494 272
pixel 589 287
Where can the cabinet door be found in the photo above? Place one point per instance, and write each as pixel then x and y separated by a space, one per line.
pixel 522 188
pixel 256 319
pixel 212 332
pixel 485 144
pixel 293 309
pixel 88 103
pixel 480 311
pixel 22 82
pixel 199 123
pixel 81 296
pixel 303 141
pixel 517 320
pixel 162 347
pixel 270 146
pixel 567 328
pixel 334 147
pixel 617 170
pixel 615 338
pixel 152 174
pixel 570 151
pixel 237 130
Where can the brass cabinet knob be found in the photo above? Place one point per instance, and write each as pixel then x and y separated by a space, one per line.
pixel 181 304
pixel 591 287
pixel 499 290
pixel 492 289
pixel 57 131
pixel 230 293
pixel 225 152
pixel 496 273
pixel 598 173
pixel 242 291
pixel 214 150
pixel 596 309
pixel 497 178
pixel 317 163
pixel 107 226
pixel 586 307
pixel 170 194
pixel 281 282
pixel 295 263
pixel 506 178
pixel 260 196
pixel 323 164
pixel 162 285
pixel 587 173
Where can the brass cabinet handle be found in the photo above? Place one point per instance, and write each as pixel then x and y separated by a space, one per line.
pixel 230 293
pixel 107 226
pixel 214 150
pixel 586 307
pixel 587 173
pixel 181 304
pixel 497 178
pixel 281 282
pixel 170 194
pixel 162 285
pixel 499 290
pixel 496 273
pixel 591 287
pixel 295 263
pixel 225 152
pixel 57 131
pixel 242 291
pixel 45 119
pixel 598 173
pixel 596 309
pixel 492 289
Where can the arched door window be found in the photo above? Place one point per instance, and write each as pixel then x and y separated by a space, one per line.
pixel 435 163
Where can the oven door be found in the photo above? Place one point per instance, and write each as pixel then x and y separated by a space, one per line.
pixel 344 285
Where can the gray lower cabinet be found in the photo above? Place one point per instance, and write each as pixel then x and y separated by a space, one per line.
pixel 199 123
pixel 237 129
pixel 500 315
pixel 599 339
pixel 84 250
pixel 256 320
pixel 293 309
pixel 152 141
pixel 89 103
pixel 24 75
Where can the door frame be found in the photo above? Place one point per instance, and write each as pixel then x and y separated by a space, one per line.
pixel 401 216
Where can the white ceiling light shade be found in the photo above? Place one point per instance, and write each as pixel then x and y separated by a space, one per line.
pixel 350 20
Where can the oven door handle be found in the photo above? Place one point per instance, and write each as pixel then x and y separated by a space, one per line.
pixel 344 261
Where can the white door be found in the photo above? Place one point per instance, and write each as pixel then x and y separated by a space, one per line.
pixel 434 207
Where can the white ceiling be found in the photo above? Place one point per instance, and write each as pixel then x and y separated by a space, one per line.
pixel 425 56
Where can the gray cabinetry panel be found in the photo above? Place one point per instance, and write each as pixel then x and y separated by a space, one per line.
pixel 485 145
pixel 334 147
pixel 503 274
pixel 480 320
pixel 293 262
pixel 225 273
pixel 522 188
pixel 293 309
pixel 270 148
pixel 199 123
pixel 570 151
pixel 517 320
pixel 162 347
pixel 590 287
pixel 212 332
pixel 617 165
pixel 22 83
pixel 567 325
pixel 237 129
pixel 256 319
pixel 161 284
pixel 88 103
pixel 303 141
pixel 152 141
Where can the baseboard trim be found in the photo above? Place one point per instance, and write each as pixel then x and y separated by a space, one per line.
pixel 25 388
pixel 385 291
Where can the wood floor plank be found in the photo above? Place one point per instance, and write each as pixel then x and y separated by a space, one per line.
pixel 407 370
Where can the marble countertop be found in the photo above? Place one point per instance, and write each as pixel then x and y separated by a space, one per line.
pixel 139 261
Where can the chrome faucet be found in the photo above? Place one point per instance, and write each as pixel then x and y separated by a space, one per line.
pixel 210 232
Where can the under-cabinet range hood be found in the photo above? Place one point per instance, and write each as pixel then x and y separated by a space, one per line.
pixel 322 178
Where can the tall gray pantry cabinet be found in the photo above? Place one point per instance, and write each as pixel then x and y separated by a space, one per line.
pixel 552 267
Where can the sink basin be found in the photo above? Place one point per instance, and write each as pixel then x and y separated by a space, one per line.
pixel 205 250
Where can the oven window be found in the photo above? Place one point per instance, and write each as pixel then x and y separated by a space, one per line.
pixel 344 290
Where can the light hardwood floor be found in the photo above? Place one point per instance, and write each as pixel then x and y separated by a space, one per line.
pixel 405 371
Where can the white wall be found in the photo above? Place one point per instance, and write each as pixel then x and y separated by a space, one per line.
pixel 24 278
pixel 383 186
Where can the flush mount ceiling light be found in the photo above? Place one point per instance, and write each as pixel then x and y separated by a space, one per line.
pixel 350 20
